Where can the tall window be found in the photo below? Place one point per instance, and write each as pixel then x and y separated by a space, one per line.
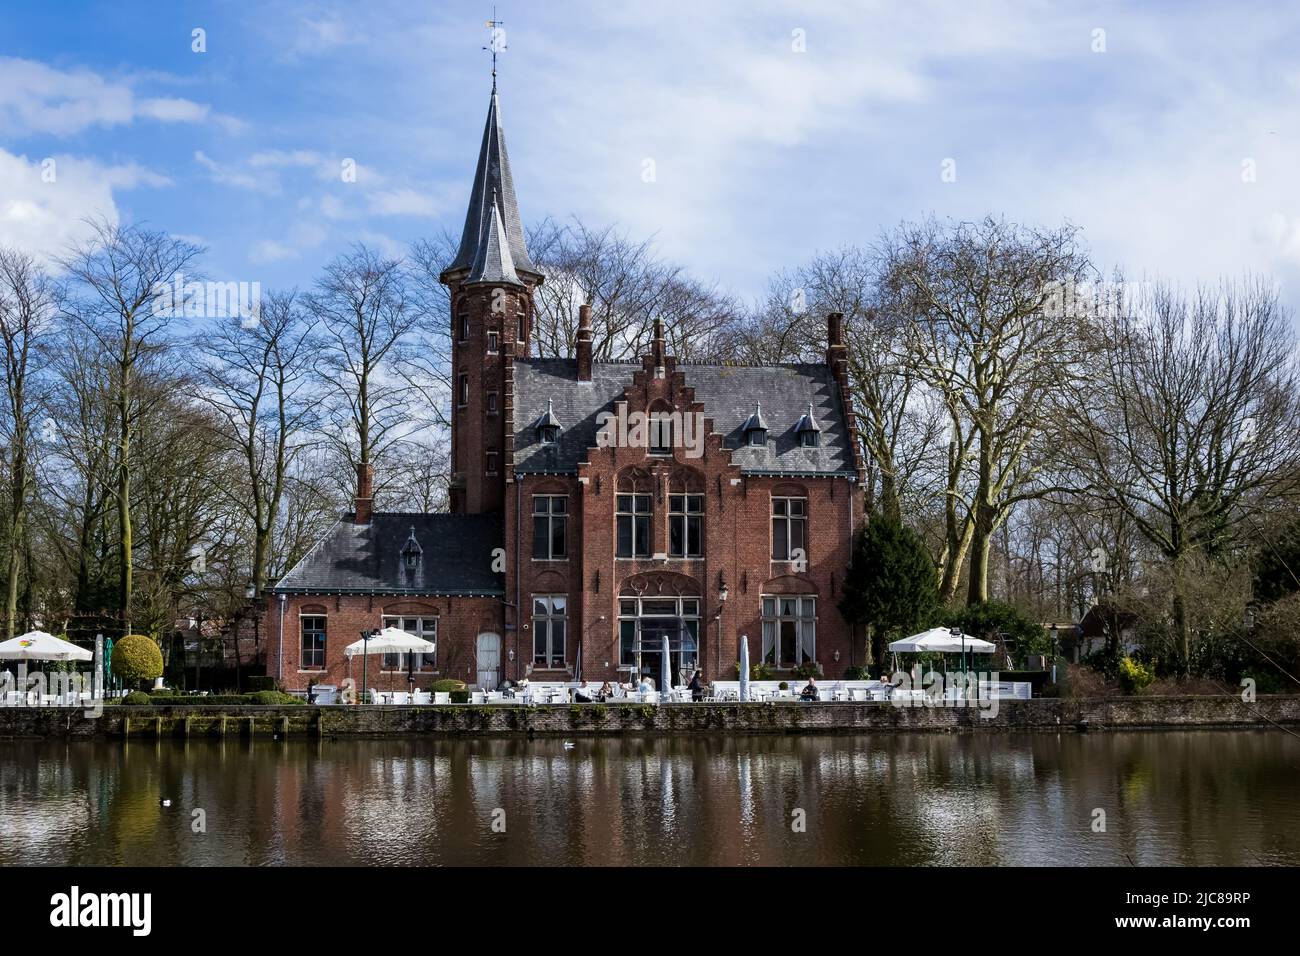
pixel 425 627
pixel 491 462
pixel 462 390
pixel 549 620
pixel 789 630
pixel 313 644
pixel 661 433
pixel 685 520
pixel 550 527
pixel 789 528
pixel 464 326
pixel 633 531
pixel 493 343
pixel 491 403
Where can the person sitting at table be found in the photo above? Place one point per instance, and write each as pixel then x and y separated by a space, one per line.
pixel 696 687
pixel 647 685
pixel 810 691
pixel 606 692
pixel 582 695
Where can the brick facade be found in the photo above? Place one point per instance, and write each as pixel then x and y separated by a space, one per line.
pixel 491 284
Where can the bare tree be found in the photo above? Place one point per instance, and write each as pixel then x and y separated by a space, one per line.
pixel 977 298
pixel 1188 423
pixel 363 305
pixel 257 381
pixel 27 309
pixel 125 296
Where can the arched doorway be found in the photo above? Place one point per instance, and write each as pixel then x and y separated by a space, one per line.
pixel 488 654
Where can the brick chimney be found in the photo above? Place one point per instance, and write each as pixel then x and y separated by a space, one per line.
pixel 584 343
pixel 658 348
pixel 837 352
pixel 364 505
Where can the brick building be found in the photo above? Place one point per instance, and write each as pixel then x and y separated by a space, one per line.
pixel 602 513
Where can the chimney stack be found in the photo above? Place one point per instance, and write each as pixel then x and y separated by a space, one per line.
pixel 364 506
pixel 837 352
pixel 584 343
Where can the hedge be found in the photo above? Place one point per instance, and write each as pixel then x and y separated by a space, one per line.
pixel 270 698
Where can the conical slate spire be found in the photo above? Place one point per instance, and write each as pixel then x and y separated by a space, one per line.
pixel 492 244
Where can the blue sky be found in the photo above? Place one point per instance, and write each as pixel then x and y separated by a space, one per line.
pixel 774 129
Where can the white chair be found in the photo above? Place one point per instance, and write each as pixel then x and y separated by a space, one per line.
pixel 441 697
pixel 476 697
pixel 401 697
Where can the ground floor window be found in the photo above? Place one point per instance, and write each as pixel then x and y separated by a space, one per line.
pixel 425 627
pixel 789 630
pixel 549 625
pixel 644 622
pixel 313 644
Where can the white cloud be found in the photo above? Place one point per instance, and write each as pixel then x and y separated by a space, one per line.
pixel 39 99
pixel 42 217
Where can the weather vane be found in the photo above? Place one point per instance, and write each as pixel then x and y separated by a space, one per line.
pixel 497 44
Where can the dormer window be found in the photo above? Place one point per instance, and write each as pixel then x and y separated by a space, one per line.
pixel 411 552
pixel 548 426
pixel 755 428
pixel 808 430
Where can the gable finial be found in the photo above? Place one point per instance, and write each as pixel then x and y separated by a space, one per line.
pixel 497 44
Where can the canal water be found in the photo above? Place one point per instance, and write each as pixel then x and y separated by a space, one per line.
pixel 1119 799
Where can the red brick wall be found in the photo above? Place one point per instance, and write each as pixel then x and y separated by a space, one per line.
pixel 460 620
pixel 737 549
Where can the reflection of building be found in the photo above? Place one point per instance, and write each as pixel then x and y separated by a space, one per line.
pixel 599 509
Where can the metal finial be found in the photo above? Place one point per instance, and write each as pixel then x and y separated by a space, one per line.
pixel 494 24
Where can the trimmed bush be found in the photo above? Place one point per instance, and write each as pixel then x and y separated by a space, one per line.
pixel 137 697
pixel 458 696
pixel 137 658
pixel 273 697
pixel 447 685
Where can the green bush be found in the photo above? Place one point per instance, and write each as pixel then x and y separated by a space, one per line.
pixel 759 671
pixel 273 697
pixel 1134 676
pixel 137 658
pixel 808 669
pixel 447 685
pixel 783 686
pixel 458 696
pixel 137 697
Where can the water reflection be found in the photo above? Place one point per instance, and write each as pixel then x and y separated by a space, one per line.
pixel 1196 799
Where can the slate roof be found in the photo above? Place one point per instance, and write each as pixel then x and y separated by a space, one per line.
pixel 728 393
pixel 456 557
pixel 492 244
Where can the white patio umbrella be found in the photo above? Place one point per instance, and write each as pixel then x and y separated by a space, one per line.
pixel 390 640
pixel 39 646
pixel 939 640
pixel 665 673
pixel 744 667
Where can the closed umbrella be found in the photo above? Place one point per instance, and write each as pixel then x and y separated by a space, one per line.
pixel 665 672
pixel 744 667
pixel 577 663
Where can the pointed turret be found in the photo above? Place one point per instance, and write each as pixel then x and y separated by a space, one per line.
pixel 492 247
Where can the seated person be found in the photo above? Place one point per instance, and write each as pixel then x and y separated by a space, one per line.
pixel 582 695
pixel 810 691
pixel 646 685
pixel 606 692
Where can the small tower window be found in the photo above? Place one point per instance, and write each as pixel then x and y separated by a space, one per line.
pixel 464 327
pixel 755 428
pixel 548 426
pixel 491 403
pixel 462 390
pixel 491 463
pixel 411 552
pixel 494 344
pixel 808 430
